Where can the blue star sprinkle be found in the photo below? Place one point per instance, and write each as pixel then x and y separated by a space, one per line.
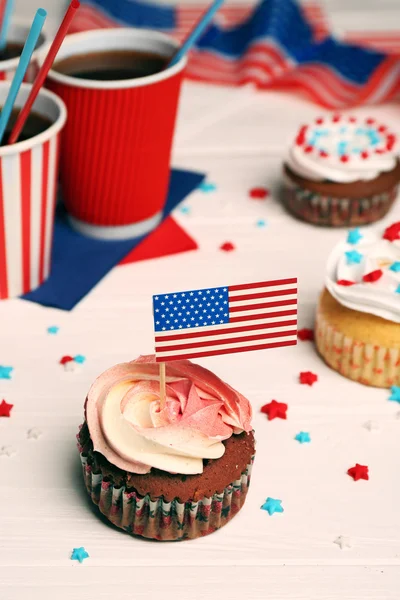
pixel 303 437
pixel 53 330
pixel 207 187
pixel 353 257
pixel 79 554
pixel 80 359
pixel 185 210
pixel 272 506
pixel 5 372
pixel 395 397
pixel 398 290
pixel 261 223
pixel 354 236
pixel 395 267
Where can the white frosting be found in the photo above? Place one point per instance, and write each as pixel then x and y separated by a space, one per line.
pixel 379 297
pixel 343 151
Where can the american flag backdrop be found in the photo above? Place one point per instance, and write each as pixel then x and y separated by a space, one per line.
pixel 225 320
pixel 274 45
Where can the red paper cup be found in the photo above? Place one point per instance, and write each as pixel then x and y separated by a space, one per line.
pixel 115 161
pixel 28 181
pixel 17 34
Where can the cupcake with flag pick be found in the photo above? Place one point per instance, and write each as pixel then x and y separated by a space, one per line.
pixel 341 171
pixel 358 317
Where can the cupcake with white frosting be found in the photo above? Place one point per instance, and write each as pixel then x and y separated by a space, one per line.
pixel 358 317
pixel 168 472
pixel 341 171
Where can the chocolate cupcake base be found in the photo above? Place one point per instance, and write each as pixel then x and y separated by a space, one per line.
pixel 160 520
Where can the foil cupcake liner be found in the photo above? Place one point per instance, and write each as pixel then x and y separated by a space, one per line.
pixel 161 520
pixel 329 211
pixel 369 364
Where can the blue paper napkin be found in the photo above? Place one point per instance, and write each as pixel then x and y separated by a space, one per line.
pixel 79 262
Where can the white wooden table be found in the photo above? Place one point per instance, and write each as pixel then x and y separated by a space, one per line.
pixel 238 138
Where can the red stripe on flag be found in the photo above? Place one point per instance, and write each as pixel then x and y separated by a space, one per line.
pixel 261 284
pixel 225 351
pixel 3 261
pixel 198 334
pixel 234 309
pixel 26 169
pixel 262 315
pixel 261 295
pixel 45 187
pixel 228 340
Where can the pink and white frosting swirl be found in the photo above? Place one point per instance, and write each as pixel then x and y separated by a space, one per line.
pixel 127 426
pixel 343 149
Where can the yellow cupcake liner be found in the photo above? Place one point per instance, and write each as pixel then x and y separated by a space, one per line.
pixel 369 364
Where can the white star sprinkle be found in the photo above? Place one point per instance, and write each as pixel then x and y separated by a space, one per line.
pixel 343 542
pixel 372 426
pixel 7 451
pixel 34 433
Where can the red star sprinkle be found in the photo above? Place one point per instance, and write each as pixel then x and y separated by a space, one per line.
pixel 345 282
pixel 344 158
pixel 227 247
pixel 305 335
pixel 66 359
pixel 5 409
pixel 275 410
pixel 364 155
pixel 259 193
pixel 308 378
pixel 392 233
pixel 358 472
pixel 373 276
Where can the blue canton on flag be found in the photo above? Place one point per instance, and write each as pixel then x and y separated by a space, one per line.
pixel 222 320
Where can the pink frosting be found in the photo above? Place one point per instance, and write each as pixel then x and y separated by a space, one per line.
pixel 127 426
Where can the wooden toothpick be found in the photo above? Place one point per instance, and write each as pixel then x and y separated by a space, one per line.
pixel 162 386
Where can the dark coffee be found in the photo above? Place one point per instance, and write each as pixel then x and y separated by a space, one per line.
pixel 34 125
pixel 11 51
pixel 112 65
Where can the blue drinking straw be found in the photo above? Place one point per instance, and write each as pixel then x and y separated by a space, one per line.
pixel 22 68
pixel 196 32
pixel 8 11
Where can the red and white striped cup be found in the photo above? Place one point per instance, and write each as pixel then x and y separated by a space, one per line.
pixel 115 156
pixel 28 182
pixel 17 34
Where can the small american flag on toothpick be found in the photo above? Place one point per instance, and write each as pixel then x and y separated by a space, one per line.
pixel 226 319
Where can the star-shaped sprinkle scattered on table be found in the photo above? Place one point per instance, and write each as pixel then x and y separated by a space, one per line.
pixel 53 330
pixel 358 472
pixel 395 395
pixel 354 236
pixel 275 410
pixel 303 437
pixel 372 426
pixel 308 378
pixel 207 187
pixel 305 335
pixel 5 372
pixel 5 409
pixel 353 257
pixel 392 232
pixel 185 210
pixel 343 542
pixel 395 267
pixel 80 359
pixel 227 247
pixel 34 433
pixel 272 506
pixel 261 223
pixel 66 359
pixel 259 193
pixel 7 451
pixel 397 291
pixel 79 554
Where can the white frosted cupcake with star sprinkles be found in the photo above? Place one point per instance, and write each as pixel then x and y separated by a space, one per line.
pixel 341 171
pixel 358 316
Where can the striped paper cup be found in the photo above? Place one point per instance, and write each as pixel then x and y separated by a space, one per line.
pixel 115 160
pixel 17 34
pixel 28 178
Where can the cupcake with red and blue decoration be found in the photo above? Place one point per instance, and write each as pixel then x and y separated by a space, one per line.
pixel 341 171
pixel 169 470
pixel 358 317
